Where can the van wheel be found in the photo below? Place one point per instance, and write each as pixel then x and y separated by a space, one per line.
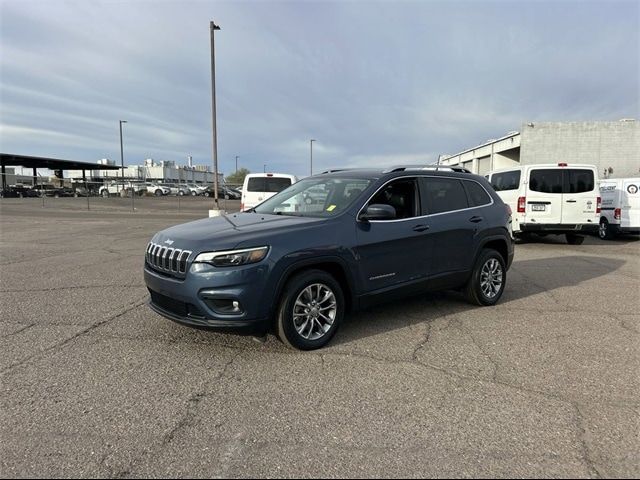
pixel 310 311
pixel 604 231
pixel 573 239
pixel 487 280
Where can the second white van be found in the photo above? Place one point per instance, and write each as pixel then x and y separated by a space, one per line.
pixel 551 198
pixel 258 187
pixel 620 207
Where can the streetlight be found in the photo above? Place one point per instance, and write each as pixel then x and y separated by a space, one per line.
pixel 236 163
pixel 121 155
pixel 264 168
pixel 311 145
pixel 213 27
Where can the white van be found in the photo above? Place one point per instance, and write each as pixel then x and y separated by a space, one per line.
pixel 620 207
pixel 257 187
pixel 551 199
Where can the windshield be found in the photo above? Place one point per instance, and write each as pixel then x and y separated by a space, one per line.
pixel 315 197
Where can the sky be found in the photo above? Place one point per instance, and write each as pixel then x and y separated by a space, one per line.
pixel 374 83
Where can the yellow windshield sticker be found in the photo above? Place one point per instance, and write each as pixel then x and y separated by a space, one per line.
pixel 330 208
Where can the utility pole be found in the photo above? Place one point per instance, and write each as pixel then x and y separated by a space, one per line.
pixel 121 155
pixel 213 27
pixel 236 163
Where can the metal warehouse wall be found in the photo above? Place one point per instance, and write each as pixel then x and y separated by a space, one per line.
pixel 613 145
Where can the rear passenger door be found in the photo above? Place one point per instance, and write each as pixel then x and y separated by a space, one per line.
pixel 452 225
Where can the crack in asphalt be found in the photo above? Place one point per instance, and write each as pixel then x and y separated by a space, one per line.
pixel 420 346
pixel 73 337
pixel 186 420
pixel 19 331
pixel 582 434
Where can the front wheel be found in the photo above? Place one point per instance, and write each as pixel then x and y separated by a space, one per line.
pixel 193 193
pixel 487 280
pixel 158 193
pixel 311 309
pixel 573 239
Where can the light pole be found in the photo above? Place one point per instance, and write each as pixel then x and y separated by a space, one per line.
pixel 121 155
pixel 311 145
pixel 236 163
pixel 213 27
pixel 264 168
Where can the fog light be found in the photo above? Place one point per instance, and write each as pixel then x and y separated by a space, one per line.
pixel 224 306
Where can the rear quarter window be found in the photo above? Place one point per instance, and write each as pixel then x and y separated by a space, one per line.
pixel 442 195
pixel 477 195
pixel 505 181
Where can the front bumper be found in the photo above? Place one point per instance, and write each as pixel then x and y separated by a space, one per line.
pixel 190 301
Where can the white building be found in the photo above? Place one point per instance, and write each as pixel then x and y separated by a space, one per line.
pixel 164 171
pixel 614 147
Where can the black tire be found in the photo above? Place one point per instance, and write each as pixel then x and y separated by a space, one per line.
pixel 474 290
pixel 56 195
pixel 180 193
pixel 193 194
pixel 605 232
pixel 206 194
pixel 296 288
pixel 105 193
pixel 573 239
pixel 158 193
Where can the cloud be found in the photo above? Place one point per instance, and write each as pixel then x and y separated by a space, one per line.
pixel 373 82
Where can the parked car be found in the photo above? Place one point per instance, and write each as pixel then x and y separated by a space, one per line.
pixel 620 207
pixel 176 189
pixel 223 192
pixel 196 189
pixel 551 199
pixel 48 190
pixel 378 235
pixel 116 188
pixel 18 191
pixel 258 187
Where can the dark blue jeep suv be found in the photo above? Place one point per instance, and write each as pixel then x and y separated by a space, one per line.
pixel 329 244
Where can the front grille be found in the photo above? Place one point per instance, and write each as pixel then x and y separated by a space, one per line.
pixel 166 259
pixel 176 307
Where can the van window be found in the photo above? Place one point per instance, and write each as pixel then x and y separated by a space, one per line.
pixel 546 181
pixel 442 195
pixel 268 184
pixel 578 181
pixel 505 181
pixel 477 195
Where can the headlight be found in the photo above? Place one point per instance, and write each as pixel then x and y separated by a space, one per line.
pixel 233 258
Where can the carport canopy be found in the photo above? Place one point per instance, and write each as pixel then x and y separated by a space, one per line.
pixel 8 159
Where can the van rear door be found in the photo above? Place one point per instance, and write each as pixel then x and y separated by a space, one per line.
pixel 544 196
pixel 580 196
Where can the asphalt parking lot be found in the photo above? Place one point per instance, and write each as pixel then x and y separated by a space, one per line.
pixel 93 383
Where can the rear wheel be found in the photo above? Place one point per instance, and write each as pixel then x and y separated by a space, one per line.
pixel 605 231
pixel 487 280
pixel 310 311
pixel 573 239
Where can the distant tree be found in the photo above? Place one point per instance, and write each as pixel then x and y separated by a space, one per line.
pixel 237 178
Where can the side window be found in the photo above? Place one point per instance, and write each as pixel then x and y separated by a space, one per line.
pixel 400 194
pixel 477 195
pixel 546 180
pixel 442 195
pixel 505 181
pixel 578 181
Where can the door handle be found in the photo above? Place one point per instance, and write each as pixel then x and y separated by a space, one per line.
pixel 420 228
pixel 571 201
pixel 476 219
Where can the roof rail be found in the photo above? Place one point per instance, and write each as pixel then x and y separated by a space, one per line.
pixel 335 170
pixel 444 168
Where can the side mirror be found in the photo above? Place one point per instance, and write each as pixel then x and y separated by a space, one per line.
pixel 378 211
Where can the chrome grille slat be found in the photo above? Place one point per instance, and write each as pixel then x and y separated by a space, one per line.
pixel 165 259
